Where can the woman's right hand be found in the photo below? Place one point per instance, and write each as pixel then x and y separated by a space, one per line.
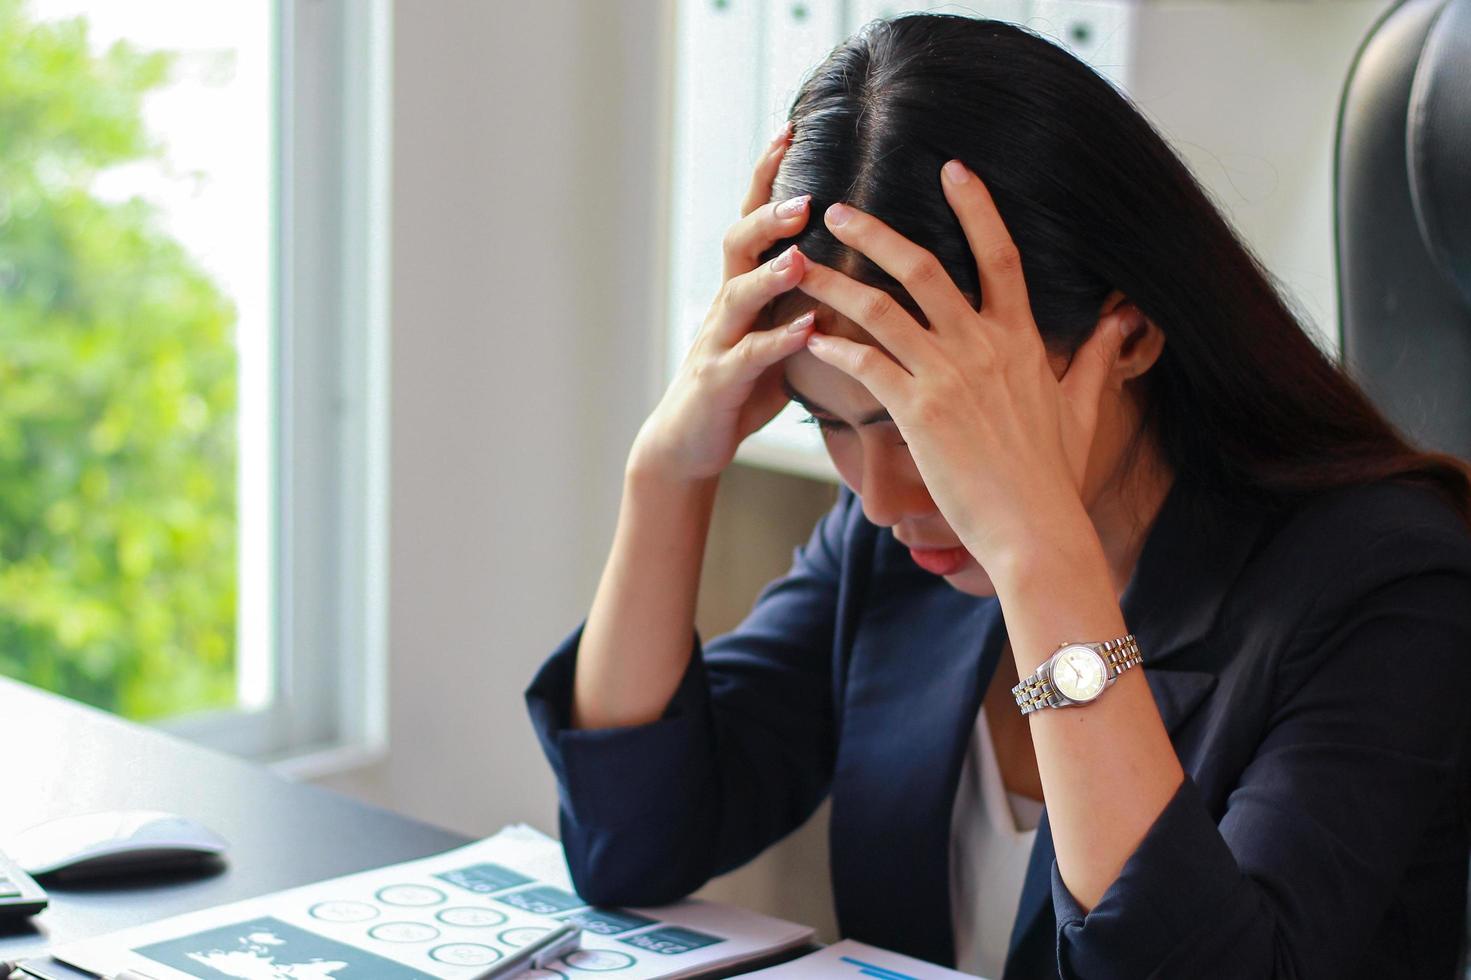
pixel 730 382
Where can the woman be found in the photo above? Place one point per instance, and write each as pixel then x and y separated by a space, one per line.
pixel 1084 433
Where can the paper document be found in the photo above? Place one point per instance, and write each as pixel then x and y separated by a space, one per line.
pixel 851 959
pixel 448 917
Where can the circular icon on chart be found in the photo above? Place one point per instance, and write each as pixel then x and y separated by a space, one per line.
pixel 410 895
pixel 521 935
pixel 404 932
pixel 465 954
pixel 343 911
pixel 469 915
pixel 597 960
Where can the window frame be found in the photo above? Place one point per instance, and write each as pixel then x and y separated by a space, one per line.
pixel 325 707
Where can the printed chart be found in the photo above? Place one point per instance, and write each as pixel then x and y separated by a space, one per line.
pixel 450 917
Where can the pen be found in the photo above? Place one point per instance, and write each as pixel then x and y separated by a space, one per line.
pixel 536 954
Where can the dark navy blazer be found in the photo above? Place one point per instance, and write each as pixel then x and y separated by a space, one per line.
pixel 1313 669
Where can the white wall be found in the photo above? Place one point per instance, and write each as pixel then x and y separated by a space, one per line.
pixel 1247 91
pixel 526 158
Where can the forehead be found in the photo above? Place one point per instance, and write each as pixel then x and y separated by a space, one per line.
pixel 793 303
pixel 788 306
pixel 823 385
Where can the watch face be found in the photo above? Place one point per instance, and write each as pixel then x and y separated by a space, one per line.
pixel 1079 674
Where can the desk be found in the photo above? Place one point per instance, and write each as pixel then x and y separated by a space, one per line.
pixel 73 759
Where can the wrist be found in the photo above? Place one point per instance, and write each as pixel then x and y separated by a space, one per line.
pixel 650 462
pixel 1058 589
pixel 645 476
pixel 673 454
pixel 1067 547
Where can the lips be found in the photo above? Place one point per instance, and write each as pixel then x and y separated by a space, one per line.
pixel 940 561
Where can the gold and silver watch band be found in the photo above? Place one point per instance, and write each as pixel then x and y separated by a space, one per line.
pixel 1037 691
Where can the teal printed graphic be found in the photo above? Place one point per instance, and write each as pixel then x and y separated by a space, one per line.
pixel 874 970
pixel 671 940
pixel 544 900
pixel 269 949
pixel 483 878
pixel 608 922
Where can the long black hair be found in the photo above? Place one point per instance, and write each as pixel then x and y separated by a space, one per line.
pixel 1242 400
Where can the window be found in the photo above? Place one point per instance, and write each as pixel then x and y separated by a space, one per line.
pixel 192 377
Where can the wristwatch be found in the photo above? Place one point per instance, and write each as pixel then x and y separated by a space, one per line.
pixel 1076 673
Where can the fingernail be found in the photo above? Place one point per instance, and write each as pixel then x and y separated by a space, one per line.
pixel 838 215
pixel 784 259
pixel 802 322
pixel 793 206
pixel 956 173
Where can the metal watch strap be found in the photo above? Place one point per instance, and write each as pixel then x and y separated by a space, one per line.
pixel 1036 692
pixel 1119 654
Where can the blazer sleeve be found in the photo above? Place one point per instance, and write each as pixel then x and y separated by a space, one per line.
pixel 742 755
pixel 1364 749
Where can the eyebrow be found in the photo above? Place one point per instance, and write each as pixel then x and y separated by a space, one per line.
pixel 882 415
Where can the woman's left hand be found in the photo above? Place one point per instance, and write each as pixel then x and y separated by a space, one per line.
pixel 1000 442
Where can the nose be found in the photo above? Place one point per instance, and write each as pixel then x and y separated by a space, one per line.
pixel 890 492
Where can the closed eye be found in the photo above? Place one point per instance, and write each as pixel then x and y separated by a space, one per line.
pixel 825 425
pixel 832 426
pixel 881 415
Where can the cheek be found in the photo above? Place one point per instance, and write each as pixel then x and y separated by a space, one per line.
pixel 847 456
pixel 891 464
pixel 847 449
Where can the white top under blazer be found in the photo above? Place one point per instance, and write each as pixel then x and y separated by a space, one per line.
pixel 991 834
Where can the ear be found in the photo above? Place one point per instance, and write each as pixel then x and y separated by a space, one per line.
pixel 1141 348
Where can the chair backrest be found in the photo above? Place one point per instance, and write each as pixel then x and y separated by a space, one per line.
pixel 1402 174
pixel 1402 186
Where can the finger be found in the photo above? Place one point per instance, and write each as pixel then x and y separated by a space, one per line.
pixel 1003 287
pixel 742 298
pixel 767 398
pixel 760 349
pixel 872 309
pixel 864 363
pixel 916 268
pixel 756 232
pixel 1088 373
pixel 765 173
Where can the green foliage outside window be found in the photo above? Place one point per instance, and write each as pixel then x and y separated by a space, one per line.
pixel 117 398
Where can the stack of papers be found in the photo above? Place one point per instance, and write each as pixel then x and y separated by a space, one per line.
pixel 449 917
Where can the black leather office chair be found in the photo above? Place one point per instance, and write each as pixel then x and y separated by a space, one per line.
pixel 1402 185
pixel 1403 207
